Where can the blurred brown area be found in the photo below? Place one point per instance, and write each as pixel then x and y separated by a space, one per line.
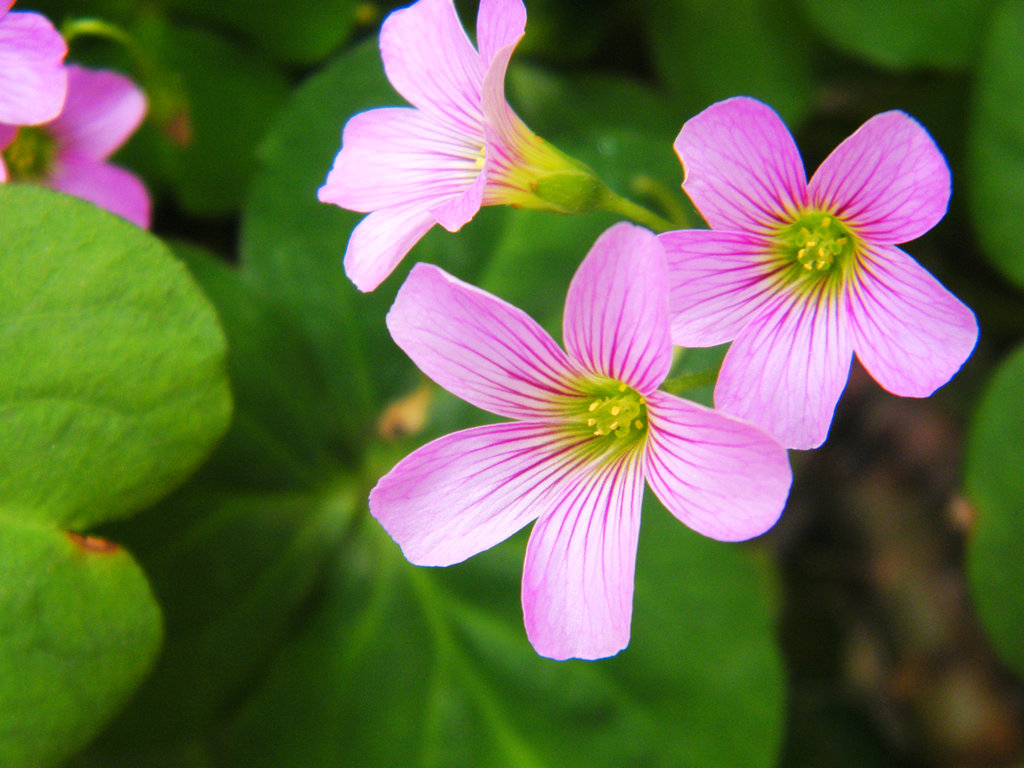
pixel 889 665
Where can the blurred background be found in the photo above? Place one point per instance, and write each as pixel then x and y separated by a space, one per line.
pixel 879 623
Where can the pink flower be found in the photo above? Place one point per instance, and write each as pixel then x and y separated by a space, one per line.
pixel 32 77
pixel 70 152
pixel 802 275
pixel 590 426
pixel 461 147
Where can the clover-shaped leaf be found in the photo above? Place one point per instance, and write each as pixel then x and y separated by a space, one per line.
pixel 112 390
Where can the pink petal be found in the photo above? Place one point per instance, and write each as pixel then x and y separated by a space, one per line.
pixel 398 157
pixel 33 82
pixel 720 476
pixel 741 166
pixel 888 180
pixel 718 282
pixel 499 23
pixel 380 241
pixel 467 491
pixel 431 62
pixel 616 312
pixel 7 134
pixel 507 136
pixel 102 110
pixel 478 347
pixel 786 370
pixel 106 185
pixel 578 575
pixel 456 211
pixel 910 333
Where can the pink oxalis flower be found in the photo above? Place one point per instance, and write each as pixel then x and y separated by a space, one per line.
pixel 459 147
pixel 32 77
pixel 802 275
pixel 590 426
pixel 70 152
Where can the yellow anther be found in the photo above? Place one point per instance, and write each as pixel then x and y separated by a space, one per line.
pixel 594 406
pixel 616 409
pixel 818 242
pixel 613 426
pixel 622 387
pixel 591 422
pixel 638 424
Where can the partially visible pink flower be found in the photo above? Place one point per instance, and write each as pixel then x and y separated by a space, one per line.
pixel 590 426
pixel 32 77
pixel 460 147
pixel 802 275
pixel 70 152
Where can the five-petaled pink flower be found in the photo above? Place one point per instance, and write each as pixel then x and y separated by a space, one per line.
pixel 460 147
pixel 32 77
pixel 802 275
pixel 590 426
pixel 70 152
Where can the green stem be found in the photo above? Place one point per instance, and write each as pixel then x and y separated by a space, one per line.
pixel 89 27
pixel 634 212
pixel 649 187
pixel 678 385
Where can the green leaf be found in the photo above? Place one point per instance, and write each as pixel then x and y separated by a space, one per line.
pixel 996 143
pixel 565 31
pixel 408 666
pixel 708 50
pixel 904 34
pixel 252 561
pixel 255 526
pixel 278 437
pixel 78 630
pixel 995 486
pixel 296 31
pixel 206 147
pixel 112 381
pixel 568 108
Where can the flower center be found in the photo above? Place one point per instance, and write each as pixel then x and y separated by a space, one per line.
pixel 612 410
pixel 817 243
pixel 30 156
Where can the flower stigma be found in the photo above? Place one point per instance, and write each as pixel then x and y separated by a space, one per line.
pixel 30 156
pixel 817 242
pixel 612 409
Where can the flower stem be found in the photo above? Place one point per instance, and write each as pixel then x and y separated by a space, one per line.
pixel 635 212
pixel 649 187
pixel 686 382
pixel 89 27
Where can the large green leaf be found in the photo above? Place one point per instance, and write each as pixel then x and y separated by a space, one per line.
pixel 708 50
pixel 112 389
pixel 112 381
pixel 213 101
pixel 996 143
pixel 995 485
pixel 254 527
pixel 78 630
pixel 300 31
pixel 278 438
pixel 431 667
pixel 230 571
pixel 903 34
